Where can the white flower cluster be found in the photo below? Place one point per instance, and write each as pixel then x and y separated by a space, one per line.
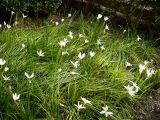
pixel 85 101
pixel 81 106
pixel 143 67
pixel 105 19
pixel 133 89
pixel 8 26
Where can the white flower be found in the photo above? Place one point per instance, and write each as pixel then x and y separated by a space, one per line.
pixel 146 62
pixel 135 85
pixel 99 16
pixel 75 64
pixel 106 27
pixel 0 25
pixel 15 96
pixel 6 69
pixel 63 43
pixel 133 89
pixel 80 106
pixel 102 47
pixel 106 18
pixel 105 111
pixel 128 64
pixel 62 20
pixel 86 41
pixel 147 8
pixel 2 62
pixel 80 35
pixel 24 16
pixel 130 90
pixel 92 54
pixel 8 26
pixel 99 42
pixel 73 73
pixel 23 45
pixel 4 23
pixel 138 38
pixel 141 68
pixel 60 70
pixel 65 53
pixel 85 100
pixel 57 23
pixel 150 72
pixel 12 12
pixel 6 78
pixel 29 76
pixel 40 53
pixel 81 56
pixel 70 34
pixel 69 15
pixel 124 30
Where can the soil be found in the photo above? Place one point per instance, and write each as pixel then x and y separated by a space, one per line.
pixel 149 107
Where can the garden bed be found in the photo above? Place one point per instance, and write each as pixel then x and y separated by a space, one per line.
pixel 74 70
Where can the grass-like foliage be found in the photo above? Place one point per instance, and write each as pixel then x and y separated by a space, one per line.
pixel 53 67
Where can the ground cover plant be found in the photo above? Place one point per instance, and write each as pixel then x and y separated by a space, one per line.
pixel 74 70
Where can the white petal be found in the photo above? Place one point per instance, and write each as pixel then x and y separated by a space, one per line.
pixel 102 112
pixel 69 15
pixel 106 18
pixel 106 114
pixel 85 100
pixel 110 113
pixel 6 69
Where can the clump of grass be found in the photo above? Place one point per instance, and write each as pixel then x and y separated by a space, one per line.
pixel 58 84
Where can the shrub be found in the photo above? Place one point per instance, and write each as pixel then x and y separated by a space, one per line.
pixel 30 5
pixel 145 13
